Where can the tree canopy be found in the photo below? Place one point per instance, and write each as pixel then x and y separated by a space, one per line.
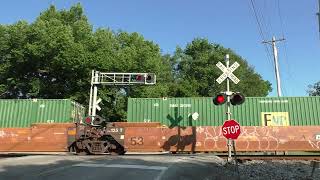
pixel 196 71
pixel 53 56
pixel 314 90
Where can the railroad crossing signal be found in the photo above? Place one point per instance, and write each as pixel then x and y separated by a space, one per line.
pixel 236 98
pixel 231 129
pixel 122 79
pixel 227 72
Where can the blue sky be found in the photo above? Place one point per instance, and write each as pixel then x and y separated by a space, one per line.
pixel 172 23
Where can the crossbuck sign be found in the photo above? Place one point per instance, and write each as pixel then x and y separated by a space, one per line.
pixel 227 72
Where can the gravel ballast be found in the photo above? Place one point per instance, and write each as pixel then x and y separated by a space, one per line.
pixel 276 169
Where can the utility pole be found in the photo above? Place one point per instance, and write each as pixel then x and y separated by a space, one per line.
pixel 275 58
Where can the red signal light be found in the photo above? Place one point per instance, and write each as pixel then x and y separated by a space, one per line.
pixel 220 99
pixel 88 120
pixel 139 77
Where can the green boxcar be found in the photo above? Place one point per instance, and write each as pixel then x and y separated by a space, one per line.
pixel 200 111
pixel 24 112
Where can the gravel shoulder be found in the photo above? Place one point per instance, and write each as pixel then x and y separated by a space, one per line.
pixel 267 170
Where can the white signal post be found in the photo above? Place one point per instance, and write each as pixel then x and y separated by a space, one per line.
pixel 228 75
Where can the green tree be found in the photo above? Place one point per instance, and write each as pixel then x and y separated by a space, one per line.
pixel 45 59
pixel 314 90
pixel 53 57
pixel 196 71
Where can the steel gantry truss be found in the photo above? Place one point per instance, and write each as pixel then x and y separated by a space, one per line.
pixel 123 79
pixel 115 79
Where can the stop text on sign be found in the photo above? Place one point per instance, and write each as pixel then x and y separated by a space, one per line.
pixel 231 129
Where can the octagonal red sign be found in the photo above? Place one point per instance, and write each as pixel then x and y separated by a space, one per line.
pixel 231 129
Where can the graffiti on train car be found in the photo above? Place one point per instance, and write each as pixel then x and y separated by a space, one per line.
pixel 5 134
pixel 259 137
pixel 210 138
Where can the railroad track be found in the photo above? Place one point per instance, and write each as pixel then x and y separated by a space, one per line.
pixel 242 158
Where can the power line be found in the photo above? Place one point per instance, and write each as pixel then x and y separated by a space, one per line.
pixel 290 74
pixel 264 27
pixel 261 31
pixel 265 19
pixel 257 19
pixel 280 17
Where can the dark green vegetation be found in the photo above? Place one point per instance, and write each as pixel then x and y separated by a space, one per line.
pixel 314 90
pixel 53 56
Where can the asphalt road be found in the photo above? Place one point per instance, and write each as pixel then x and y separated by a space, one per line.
pixel 127 167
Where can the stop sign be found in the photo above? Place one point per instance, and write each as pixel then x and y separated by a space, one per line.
pixel 231 129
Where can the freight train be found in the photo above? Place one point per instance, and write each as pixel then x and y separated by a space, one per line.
pixel 162 124
pixel 152 137
pixel 193 125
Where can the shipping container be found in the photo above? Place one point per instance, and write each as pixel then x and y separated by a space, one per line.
pixel 24 112
pixel 200 111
